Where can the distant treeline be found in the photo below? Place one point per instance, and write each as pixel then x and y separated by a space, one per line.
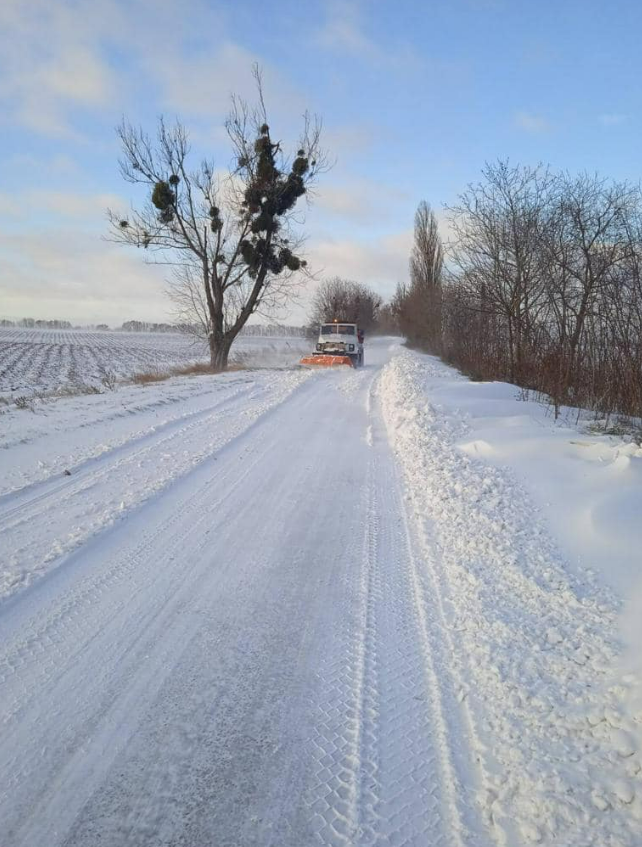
pixel 146 326
pixel 31 323
pixel 272 330
pixel 249 329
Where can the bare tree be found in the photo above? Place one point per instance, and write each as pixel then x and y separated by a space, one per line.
pixel 587 238
pixel 234 235
pixel 346 300
pixel 423 302
pixel 187 293
pixel 496 248
pixel 387 323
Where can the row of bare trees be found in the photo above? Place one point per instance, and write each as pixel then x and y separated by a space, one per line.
pixel 542 287
pixel 345 300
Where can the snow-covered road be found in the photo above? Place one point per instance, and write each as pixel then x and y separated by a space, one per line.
pixel 248 615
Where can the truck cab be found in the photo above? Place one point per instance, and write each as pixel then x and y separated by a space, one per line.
pixel 339 338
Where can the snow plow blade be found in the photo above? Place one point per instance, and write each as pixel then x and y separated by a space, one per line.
pixel 326 361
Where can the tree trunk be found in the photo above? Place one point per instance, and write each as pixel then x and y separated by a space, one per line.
pixel 511 350
pixel 574 344
pixel 219 351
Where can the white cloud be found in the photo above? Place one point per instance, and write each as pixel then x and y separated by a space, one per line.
pixel 202 85
pixel 71 275
pixel 61 273
pixel 531 123
pixel 79 76
pixel 378 262
pixel 344 31
pixel 61 59
pixel 90 208
pixel 51 60
pixel 73 205
pixel 342 34
pixel 56 58
pixel 10 207
pixel 42 169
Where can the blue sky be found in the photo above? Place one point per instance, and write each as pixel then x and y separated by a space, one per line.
pixel 415 97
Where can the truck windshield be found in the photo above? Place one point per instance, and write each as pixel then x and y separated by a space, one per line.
pixel 341 329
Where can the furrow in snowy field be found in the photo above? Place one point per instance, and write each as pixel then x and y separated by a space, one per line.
pixel 55 519
pixel 532 644
pixel 35 361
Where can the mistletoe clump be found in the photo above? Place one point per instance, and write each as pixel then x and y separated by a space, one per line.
pixel 216 223
pixel 164 199
pixel 163 196
pixel 269 195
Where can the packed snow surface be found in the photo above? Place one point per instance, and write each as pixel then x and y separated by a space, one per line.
pixel 332 608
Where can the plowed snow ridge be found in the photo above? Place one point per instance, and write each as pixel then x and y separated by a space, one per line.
pixel 287 610
pixel 530 646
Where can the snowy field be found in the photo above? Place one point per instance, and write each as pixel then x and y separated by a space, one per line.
pixel 386 606
pixel 35 361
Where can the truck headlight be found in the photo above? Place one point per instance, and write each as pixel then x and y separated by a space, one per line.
pixel 319 346
pixel 351 347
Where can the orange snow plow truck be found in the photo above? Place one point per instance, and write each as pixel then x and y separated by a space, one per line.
pixel 340 343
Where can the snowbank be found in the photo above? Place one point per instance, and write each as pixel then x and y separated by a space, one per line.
pixel 535 639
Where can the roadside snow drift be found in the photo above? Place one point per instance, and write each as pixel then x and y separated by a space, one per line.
pixel 532 645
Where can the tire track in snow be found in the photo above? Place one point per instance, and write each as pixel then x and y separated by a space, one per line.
pixel 365 812
pixel 250 441
pixel 382 745
pixel 113 488
pixel 52 627
pixel 417 789
pixel 230 719
pixel 342 769
pixel 458 739
pixel 194 761
pixel 91 470
pixel 65 635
